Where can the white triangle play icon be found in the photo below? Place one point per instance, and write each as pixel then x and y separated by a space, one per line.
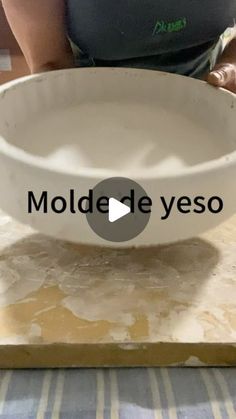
pixel 117 210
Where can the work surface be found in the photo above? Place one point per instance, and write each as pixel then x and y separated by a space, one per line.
pixel 68 305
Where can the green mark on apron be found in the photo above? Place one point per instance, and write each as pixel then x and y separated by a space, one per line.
pixel 169 27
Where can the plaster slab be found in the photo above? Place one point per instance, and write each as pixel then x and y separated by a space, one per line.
pixel 67 305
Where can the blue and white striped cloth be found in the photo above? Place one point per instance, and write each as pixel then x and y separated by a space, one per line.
pixel 140 393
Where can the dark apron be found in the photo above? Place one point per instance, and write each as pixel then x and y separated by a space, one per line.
pixel 176 36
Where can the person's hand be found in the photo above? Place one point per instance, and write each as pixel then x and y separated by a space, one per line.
pixel 224 73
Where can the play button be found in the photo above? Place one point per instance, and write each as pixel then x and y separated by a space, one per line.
pixel 121 209
pixel 117 210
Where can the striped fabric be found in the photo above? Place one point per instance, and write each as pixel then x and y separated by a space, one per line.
pixel 139 393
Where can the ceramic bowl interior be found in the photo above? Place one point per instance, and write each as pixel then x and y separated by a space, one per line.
pixel 129 122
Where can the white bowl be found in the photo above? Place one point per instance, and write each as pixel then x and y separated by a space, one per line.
pixel 71 129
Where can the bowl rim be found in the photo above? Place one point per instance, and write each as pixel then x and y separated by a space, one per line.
pixel 17 154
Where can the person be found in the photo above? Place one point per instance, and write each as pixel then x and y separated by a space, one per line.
pixel 193 38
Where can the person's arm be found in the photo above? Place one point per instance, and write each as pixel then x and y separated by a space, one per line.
pixel 224 73
pixel 39 27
